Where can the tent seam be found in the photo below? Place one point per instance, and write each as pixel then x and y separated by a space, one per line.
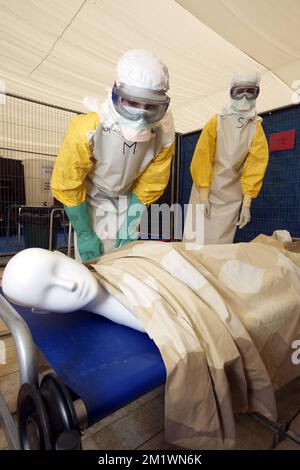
pixel 58 38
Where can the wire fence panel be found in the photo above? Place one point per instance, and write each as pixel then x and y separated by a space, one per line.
pixel 31 133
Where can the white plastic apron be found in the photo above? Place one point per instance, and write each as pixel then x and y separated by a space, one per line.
pixel 118 163
pixel 235 134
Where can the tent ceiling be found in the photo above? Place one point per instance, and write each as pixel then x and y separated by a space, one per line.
pixel 266 30
pixel 61 51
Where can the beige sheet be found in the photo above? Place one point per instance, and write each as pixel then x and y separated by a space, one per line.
pixel 224 318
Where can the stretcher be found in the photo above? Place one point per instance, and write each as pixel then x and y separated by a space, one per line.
pixel 99 366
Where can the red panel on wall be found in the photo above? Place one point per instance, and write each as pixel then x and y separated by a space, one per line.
pixel 282 140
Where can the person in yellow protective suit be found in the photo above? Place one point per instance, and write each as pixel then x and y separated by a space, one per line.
pixel 115 160
pixel 228 165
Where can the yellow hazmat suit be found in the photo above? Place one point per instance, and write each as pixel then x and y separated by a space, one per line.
pixel 228 166
pixel 88 168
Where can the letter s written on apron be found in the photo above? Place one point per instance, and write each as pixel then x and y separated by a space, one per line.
pixel 235 134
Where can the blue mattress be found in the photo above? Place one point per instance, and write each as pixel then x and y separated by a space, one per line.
pixel 105 364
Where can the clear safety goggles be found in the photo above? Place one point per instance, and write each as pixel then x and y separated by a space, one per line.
pixel 136 103
pixel 247 91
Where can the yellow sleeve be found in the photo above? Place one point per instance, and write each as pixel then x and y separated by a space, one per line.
pixel 152 182
pixel 202 162
pixel 255 164
pixel 74 161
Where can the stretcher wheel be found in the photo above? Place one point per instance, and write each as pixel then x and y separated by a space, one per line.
pixel 61 412
pixel 68 440
pixel 46 417
pixel 34 428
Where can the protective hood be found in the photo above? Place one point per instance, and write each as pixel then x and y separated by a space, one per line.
pixel 142 69
pixel 233 107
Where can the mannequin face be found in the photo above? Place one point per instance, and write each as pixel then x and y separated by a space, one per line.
pixel 49 281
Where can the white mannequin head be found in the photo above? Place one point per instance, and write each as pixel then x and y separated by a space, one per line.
pixel 52 282
pixel 49 281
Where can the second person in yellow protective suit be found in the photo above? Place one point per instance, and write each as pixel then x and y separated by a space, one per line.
pixel 116 160
pixel 228 166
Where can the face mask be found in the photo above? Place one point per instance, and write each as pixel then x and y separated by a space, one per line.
pixel 135 131
pixel 243 105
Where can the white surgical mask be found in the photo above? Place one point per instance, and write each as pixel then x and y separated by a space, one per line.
pixel 135 131
pixel 242 105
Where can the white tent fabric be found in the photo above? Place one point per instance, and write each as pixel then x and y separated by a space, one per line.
pixel 59 52
pixel 266 30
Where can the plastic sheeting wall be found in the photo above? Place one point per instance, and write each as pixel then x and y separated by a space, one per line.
pixel 278 204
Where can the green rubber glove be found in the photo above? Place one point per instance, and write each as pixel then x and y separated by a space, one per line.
pixel 88 244
pixel 128 231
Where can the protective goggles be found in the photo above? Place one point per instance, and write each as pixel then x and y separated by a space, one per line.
pixel 247 91
pixel 136 103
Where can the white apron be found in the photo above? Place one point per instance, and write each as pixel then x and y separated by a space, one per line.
pixel 118 163
pixel 235 134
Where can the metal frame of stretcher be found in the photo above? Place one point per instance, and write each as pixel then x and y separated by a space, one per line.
pixel 99 367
